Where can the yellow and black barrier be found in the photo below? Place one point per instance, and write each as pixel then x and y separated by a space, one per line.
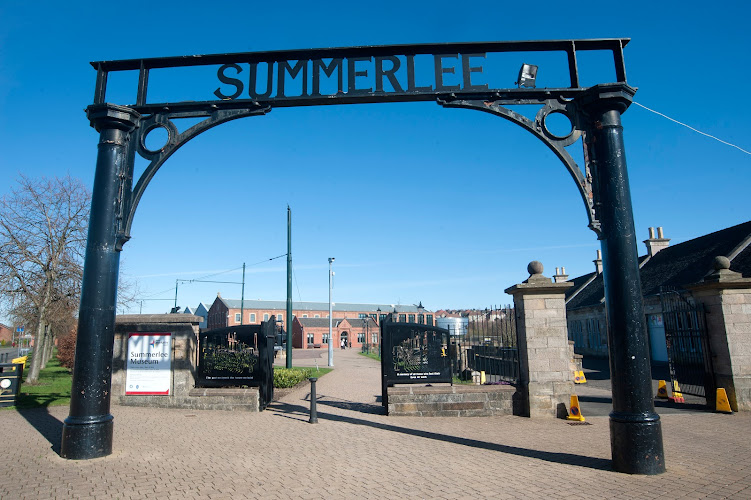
pixel 722 404
pixel 662 390
pixel 575 412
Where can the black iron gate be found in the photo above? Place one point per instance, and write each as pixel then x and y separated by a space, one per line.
pixel 413 353
pixel 689 355
pixel 488 345
pixel 239 356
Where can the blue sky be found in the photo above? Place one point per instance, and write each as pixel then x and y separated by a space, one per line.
pixel 416 202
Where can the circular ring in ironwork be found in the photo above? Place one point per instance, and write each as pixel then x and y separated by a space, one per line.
pixel 147 128
pixel 562 109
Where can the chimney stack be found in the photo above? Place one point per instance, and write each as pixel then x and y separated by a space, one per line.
pixel 655 244
pixel 598 262
pixel 560 275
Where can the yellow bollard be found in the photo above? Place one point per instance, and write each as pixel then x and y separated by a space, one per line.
pixel 575 412
pixel 723 404
pixel 662 390
pixel 482 377
pixel 582 377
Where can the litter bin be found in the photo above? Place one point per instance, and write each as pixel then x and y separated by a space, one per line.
pixel 10 382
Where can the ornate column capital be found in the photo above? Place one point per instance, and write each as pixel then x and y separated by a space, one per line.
pixel 112 116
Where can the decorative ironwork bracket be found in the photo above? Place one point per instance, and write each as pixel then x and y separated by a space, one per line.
pixel 175 140
pixel 538 127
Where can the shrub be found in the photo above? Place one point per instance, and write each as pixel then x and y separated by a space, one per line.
pixel 66 350
pixel 286 377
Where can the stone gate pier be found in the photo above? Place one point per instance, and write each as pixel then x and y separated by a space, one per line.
pixel 546 380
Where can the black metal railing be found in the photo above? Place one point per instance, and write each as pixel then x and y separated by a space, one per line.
pixel 489 345
pixel 238 356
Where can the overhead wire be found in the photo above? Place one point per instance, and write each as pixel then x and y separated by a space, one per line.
pixel 692 128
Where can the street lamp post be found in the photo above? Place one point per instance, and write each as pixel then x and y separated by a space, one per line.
pixel 331 345
pixel 365 333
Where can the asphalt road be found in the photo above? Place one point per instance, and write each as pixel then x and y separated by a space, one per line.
pixel 595 396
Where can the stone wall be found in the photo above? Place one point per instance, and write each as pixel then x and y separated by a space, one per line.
pixel 453 401
pixel 726 295
pixel 183 393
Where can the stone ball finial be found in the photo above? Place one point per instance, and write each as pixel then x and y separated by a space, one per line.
pixel 534 267
pixel 721 262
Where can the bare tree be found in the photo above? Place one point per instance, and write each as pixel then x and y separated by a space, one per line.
pixel 43 226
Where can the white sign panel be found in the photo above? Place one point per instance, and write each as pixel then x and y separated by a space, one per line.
pixel 149 364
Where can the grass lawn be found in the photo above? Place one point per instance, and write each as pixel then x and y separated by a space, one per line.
pixel 53 388
pixel 373 355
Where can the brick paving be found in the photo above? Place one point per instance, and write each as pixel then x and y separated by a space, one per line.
pixel 356 452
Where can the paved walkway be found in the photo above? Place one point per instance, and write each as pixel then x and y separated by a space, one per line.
pixel 356 452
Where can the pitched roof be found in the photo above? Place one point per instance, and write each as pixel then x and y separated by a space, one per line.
pixel 317 306
pixel 319 322
pixel 678 265
pixel 361 322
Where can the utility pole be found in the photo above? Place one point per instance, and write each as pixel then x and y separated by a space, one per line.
pixel 242 296
pixel 331 340
pixel 289 288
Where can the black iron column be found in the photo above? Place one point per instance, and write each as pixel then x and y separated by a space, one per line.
pixel 635 429
pixel 87 432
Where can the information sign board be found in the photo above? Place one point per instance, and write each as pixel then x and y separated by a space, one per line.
pixel 149 368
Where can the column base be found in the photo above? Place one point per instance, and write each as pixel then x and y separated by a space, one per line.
pixel 636 443
pixel 85 438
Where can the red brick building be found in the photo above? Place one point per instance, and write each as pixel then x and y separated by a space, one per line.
pixel 312 333
pixel 6 334
pixel 312 318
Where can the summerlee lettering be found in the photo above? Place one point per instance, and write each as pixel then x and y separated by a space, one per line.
pixel 364 75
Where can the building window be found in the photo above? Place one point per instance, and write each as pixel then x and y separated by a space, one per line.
pixel 402 318
pixel 237 317
pixel 279 317
pixel 325 338
pixel 421 318
pixel 310 338
pixel 411 318
pixel 374 316
pixel 266 317
pixel 382 318
pixel 361 338
pixel 252 317
pixel 304 315
pixel 362 315
pixel 317 316
pixel 430 320
pixel 373 338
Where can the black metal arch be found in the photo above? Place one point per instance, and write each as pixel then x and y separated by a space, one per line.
pixel 175 140
pixel 556 144
pixel 595 116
